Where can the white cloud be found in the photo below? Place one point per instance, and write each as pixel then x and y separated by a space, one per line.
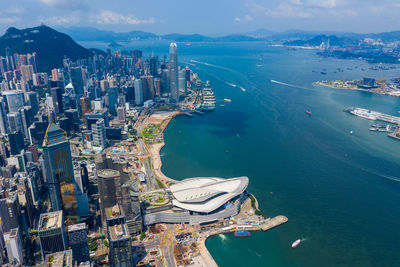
pixel 9 20
pixel 54 20
pixel 237 19
pixel 15 10
pixel 289 11
pixel 246 18
pixel 66 4
pixel 111 17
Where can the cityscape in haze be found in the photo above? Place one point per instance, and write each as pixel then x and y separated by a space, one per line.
pixel 175 133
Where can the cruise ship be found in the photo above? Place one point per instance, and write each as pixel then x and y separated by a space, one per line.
pixel 363 113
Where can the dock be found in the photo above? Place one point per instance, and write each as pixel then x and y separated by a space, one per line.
pixel 199 112
pixel 188 114
pixel 274 222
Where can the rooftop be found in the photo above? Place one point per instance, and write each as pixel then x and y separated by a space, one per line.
pixel 50 220
pixel 118 232
pixel 77 227
pixel 106 173
pixel 113 212
pixel 59 259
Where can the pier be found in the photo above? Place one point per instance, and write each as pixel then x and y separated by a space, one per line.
pixel 199 112
pixel 274 222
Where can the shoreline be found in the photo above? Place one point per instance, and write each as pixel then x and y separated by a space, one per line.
pixel 155 154
pixel 356 89
pixel 206 257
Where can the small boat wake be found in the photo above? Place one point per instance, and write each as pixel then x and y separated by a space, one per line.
pixel 241 88
pixel 231 84
pixel 222 236
pixel 289 85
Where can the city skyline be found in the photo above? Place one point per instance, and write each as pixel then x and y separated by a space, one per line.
pixel 184 17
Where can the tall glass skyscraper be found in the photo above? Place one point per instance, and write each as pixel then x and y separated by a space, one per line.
pixel 173 71
pixel 59 170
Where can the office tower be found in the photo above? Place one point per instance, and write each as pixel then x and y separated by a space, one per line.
pixel 3 117
pixel 13 243
pixel 157 86
pixel 153 66
pixel 112 100
pixel 120 254
pixel 15 100
pixel 109 184
pixel 85 107
pixel 77 80
pixel 73 118
pixel 59 259
pixel 27 72
pixel 92 117
pixel 14 122
pixel 121 112
pixel 10 60
pixel 138 92
pixel 182 81
pixel 10 213
pixel 84 177
pixel 78 242
pixel 164 83
pixel 131 207
pixel 99 134
pixel 60 175
pixel 51 232
pixel 33 101
pixel 148 87
pixel 173 71
pixel 104 85
pixel 56 95
pixel 26 119
pixel 54 75
pixel 16 142
pixel 98 104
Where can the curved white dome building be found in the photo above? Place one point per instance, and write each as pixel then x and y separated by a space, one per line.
pixel 206 194
pixel 200 200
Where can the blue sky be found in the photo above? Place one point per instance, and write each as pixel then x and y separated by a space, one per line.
pixel 210 17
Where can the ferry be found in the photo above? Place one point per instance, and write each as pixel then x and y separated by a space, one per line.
pixel 296 243
pixel 308 112
pixel 363 113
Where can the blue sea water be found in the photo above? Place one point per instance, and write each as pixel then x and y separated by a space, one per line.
pixel 341 192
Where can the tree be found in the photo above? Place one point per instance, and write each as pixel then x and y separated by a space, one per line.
pixel 142 236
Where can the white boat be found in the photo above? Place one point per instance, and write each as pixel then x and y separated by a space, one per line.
pixel 351 132
pixel 296 243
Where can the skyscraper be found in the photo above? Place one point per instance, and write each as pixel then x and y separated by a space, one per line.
pixel 60 174
pixel 56 95
pixel 99 134
pixel 15 100
pixel 112 100
pixel 77 237
pixel 138 92
pixel 51 232
pixel 77 80
pixel 33 101
pixel 173 71
pixel 3 117
pixel 120 254
pixel 109 184
pixel 85 107
pixel 14 247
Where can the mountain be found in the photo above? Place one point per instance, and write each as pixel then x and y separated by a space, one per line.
pixel 50 45
pixel 260 33
pixel 93 34
pixel 317 40
pixel 186 37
